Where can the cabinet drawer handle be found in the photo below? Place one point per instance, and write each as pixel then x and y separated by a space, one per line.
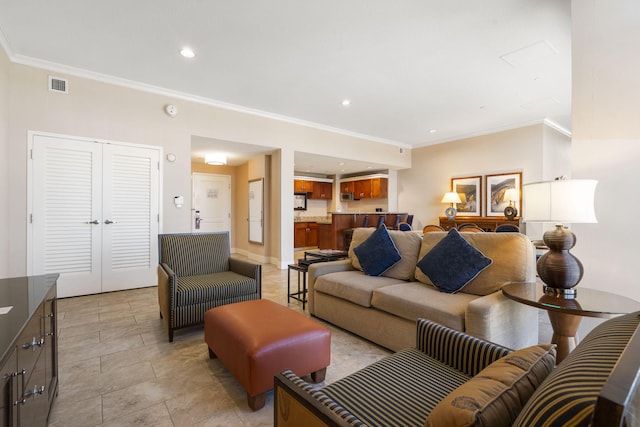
pixel 32 345
pixel 29 393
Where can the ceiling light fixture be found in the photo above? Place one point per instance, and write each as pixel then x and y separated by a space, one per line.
pixel 215 159
pixel 187 52
pixel 346 102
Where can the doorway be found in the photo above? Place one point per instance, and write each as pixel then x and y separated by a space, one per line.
pixel 211 210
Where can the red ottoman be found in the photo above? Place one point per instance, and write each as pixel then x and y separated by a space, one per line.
pixel 257 339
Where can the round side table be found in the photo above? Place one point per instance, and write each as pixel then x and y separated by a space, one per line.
pixel 565 313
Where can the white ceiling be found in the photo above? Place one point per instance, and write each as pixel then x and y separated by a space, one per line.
pixel 459 68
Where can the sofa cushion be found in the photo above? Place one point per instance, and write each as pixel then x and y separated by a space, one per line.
pixel 452 263
pixel 352 285
pixel 222 286
pixel 568 395
pixel 378 253
pixel 408 245
pixel 411 300
pixel 495 396
pixel 513 258
pixel 397 390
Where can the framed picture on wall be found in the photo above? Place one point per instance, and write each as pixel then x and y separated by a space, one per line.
pixel 497 195
pixel 470 191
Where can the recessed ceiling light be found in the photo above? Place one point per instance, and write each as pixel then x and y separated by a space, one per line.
pixel 215 159
pixel 346 102
pixel 341 164
pixel 433 131
pixel 187 52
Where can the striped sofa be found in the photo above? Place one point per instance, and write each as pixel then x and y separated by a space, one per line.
pixel 451 378
pixel 197 273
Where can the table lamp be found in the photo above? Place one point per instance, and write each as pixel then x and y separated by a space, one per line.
pixel 451 197
pixel 562 201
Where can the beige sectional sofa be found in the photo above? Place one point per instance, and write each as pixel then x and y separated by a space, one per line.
pixel 385 308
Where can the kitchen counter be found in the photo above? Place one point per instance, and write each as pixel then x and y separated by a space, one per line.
pixel 318 219
pixel 341 221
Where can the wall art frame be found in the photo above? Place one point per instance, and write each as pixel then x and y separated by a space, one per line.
pixel 496 185
pixel 469 189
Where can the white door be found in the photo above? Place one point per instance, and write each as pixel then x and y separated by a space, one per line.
pixel 66 216
pixel 129 217
pixel 211 202
pixel 94 214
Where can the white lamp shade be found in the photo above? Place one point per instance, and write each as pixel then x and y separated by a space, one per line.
pixel 561 201
pixel 215 159
pixel 451 197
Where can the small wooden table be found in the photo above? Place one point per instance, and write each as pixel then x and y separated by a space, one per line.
pixel 565 313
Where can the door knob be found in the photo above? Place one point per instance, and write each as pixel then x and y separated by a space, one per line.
pixel 95 221
pixel 108 221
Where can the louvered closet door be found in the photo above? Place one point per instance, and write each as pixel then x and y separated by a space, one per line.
pixel 66 213
pixel 130 217
pixel 95 214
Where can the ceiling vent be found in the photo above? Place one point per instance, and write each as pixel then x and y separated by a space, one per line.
pixel 56 84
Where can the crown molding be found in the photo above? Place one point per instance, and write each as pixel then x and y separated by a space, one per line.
pixel 144 87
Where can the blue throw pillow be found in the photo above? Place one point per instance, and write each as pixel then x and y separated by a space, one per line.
pixel 378 253
pixel 453 263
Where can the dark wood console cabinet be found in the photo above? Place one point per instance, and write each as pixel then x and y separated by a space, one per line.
pixel 487 223
pixel 29 349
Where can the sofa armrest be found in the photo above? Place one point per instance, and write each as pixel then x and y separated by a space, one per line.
pixel 463 352
pixel 498 319
pixel 319 269
pixel 297 403
pixel 247 268
pixel 166 290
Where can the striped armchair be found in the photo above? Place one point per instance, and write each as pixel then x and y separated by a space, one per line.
pixel 451 378
pixel 197 273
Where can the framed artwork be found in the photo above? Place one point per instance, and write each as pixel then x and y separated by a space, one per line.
pixel 470 191
pixel 497 186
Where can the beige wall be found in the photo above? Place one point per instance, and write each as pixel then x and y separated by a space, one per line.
pixel 5 245
pixel 421 188
pixel 103 111
pixel 606 139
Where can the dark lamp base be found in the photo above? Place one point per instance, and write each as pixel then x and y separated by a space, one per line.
pixel 558 268
pixel 560 293
pixel 451 213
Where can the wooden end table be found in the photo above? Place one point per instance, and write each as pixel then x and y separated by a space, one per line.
pixel 565 313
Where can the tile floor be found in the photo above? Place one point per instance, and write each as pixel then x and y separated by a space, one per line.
pixel 116 367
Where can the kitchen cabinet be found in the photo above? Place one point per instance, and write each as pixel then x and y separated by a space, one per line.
pixel 379 188
pixel 322 190
pixel 28 345
pixel 373 188
pixel 347 187
pixel 305 234
pixel 302 186
pixel 362 189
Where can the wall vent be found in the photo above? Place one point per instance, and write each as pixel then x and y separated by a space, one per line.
pixel 56 84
